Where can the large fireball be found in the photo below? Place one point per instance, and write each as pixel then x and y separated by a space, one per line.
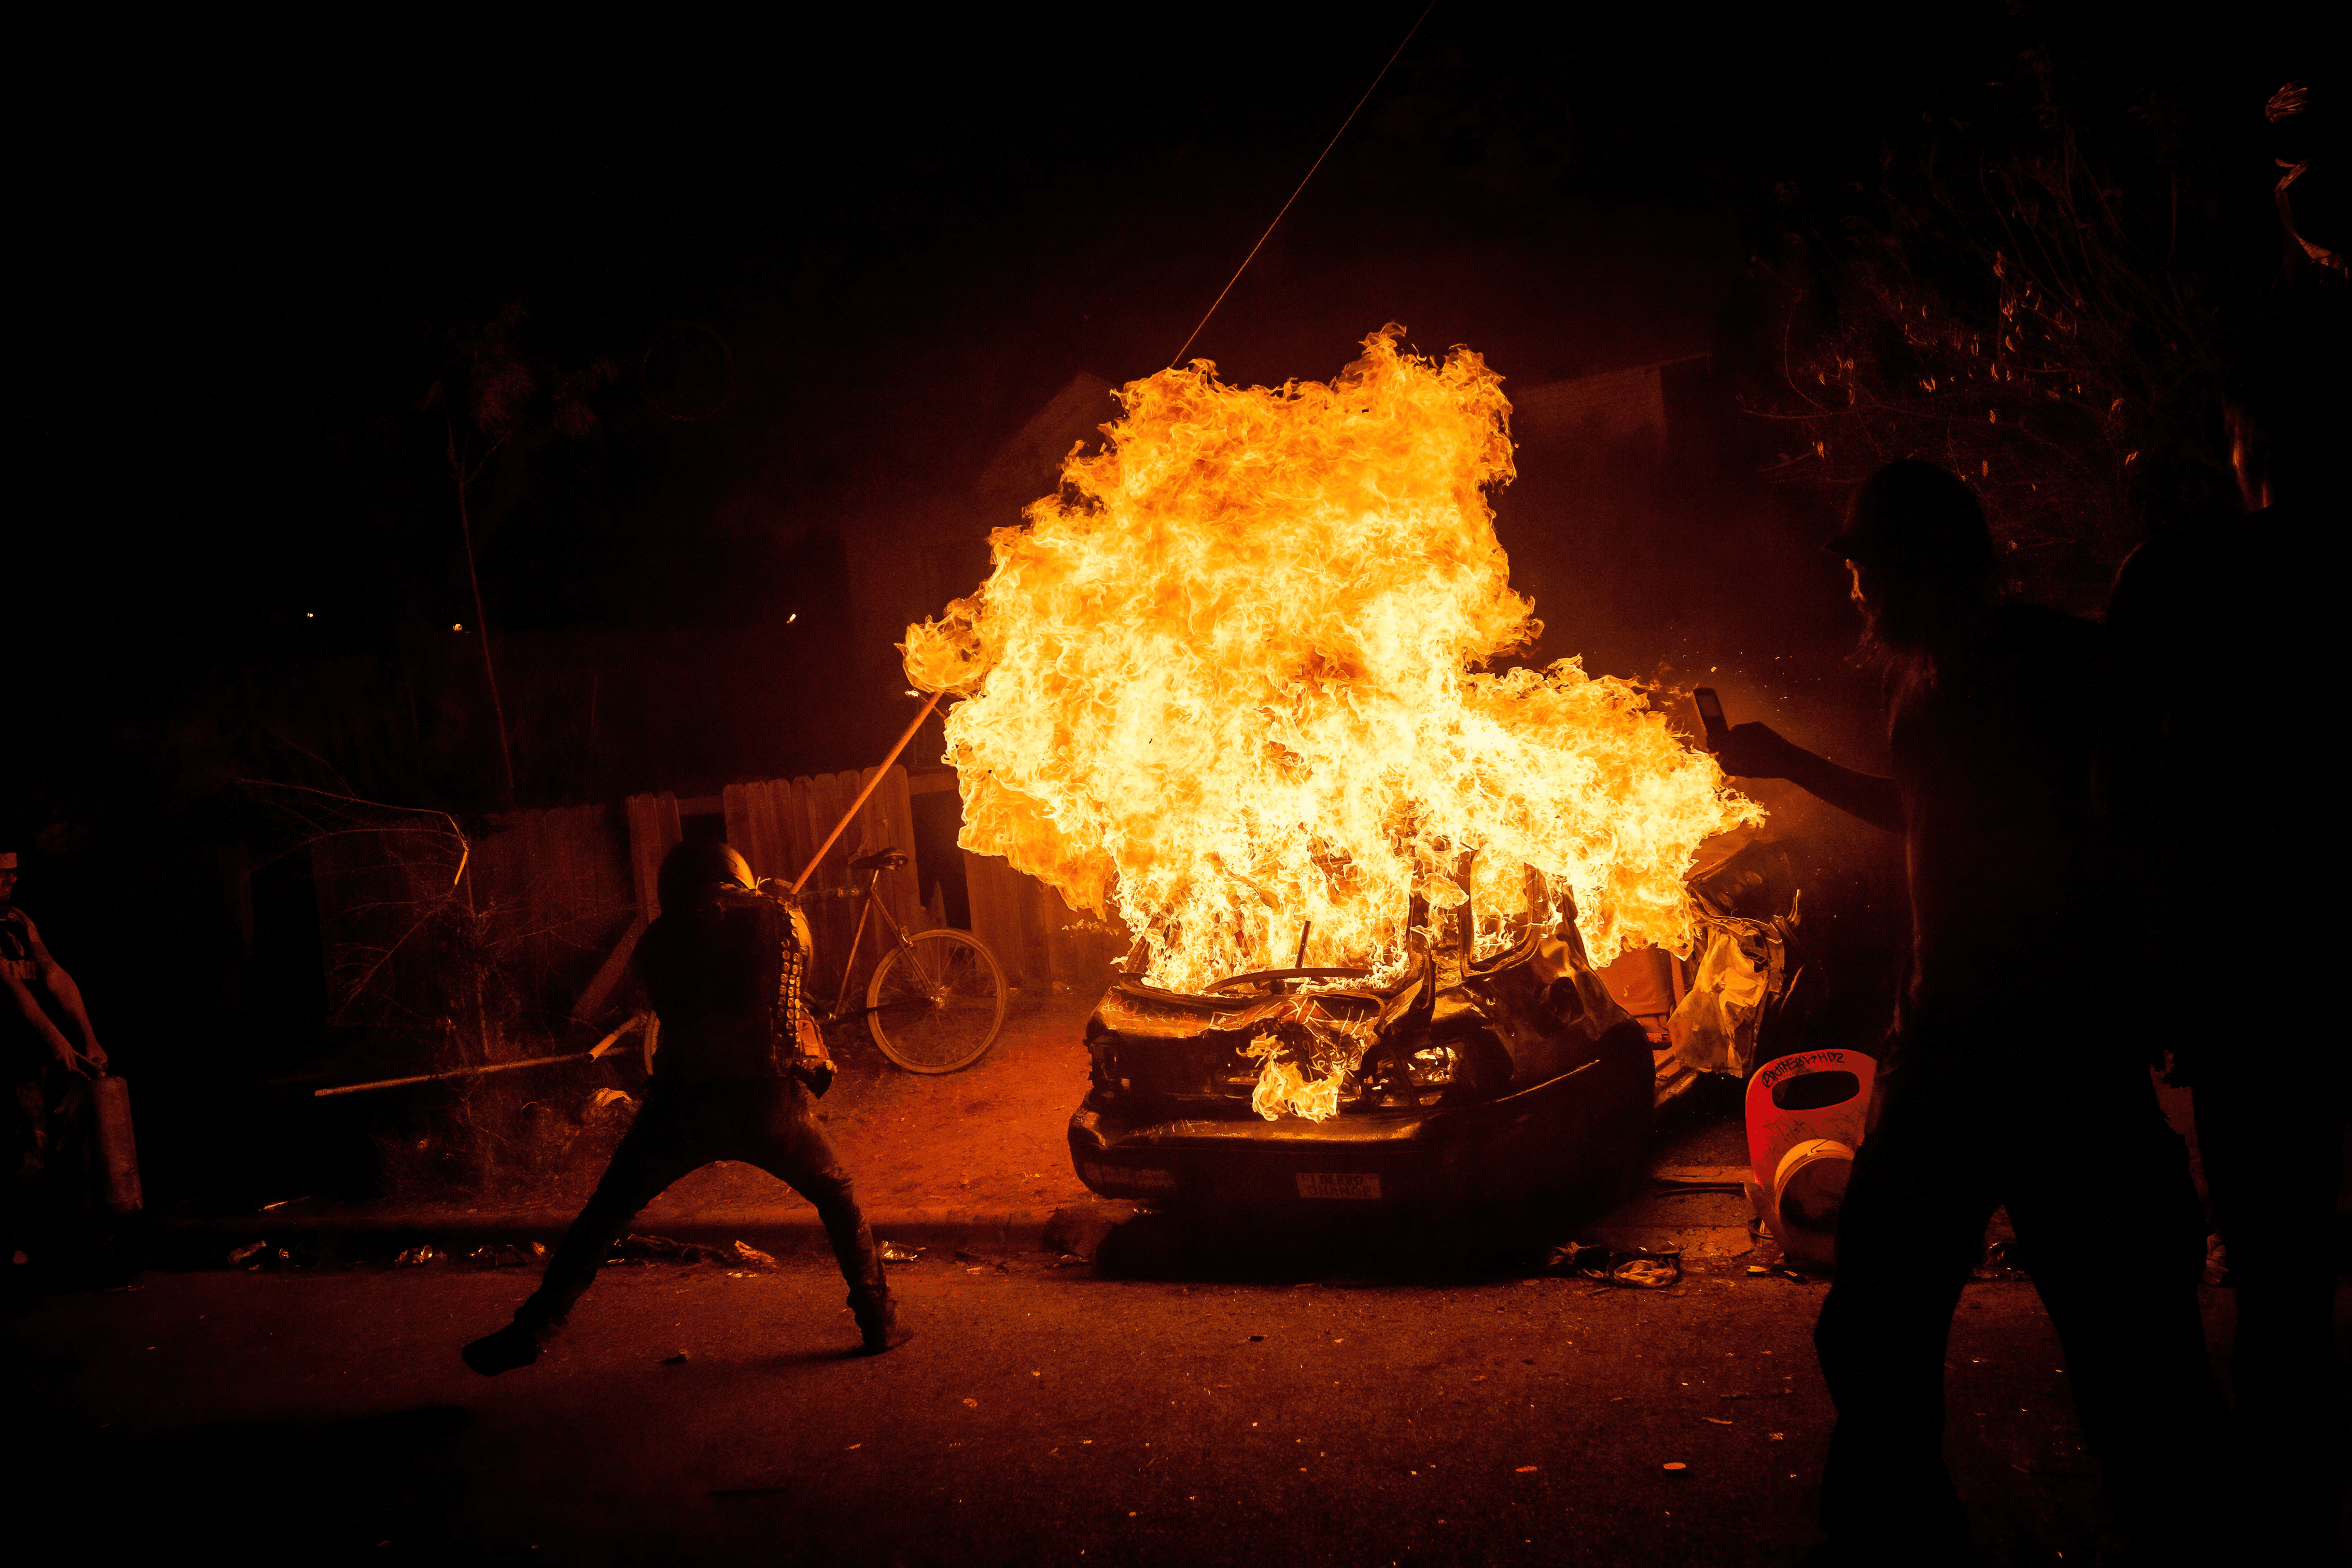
pixel 1230 679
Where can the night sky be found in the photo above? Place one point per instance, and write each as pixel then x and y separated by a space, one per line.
pixel 866 248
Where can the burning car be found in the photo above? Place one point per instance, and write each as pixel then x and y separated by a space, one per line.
pixel 1242 684
pixel 1511 1080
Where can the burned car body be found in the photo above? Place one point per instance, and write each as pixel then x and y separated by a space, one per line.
pixel 1515 1081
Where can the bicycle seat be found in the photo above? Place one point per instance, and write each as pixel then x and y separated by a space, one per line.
pixel 880 859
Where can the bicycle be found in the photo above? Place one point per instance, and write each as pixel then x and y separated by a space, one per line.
pixel 936 1000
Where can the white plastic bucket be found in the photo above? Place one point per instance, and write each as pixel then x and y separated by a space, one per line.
pixel 1806 1114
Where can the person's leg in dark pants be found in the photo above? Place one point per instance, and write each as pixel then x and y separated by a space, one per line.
pixel 2272 1148
pixel 672 1136
pixel 1911 1227
pixel 57 1215
pixel 2098 1187
pixel 794 1149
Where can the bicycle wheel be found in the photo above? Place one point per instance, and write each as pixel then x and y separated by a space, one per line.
pixel 936 1003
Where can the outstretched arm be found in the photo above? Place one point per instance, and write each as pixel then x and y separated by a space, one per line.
pixel 30 1006
pixel 1757 751
pixel 60 985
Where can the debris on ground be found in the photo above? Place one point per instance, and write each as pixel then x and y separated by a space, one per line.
pixel 1570 1258
pixel 680 1359
pixel 634 1248
pixel 894 1253
pixel 1647 1273
pixel 754 1257
pixel 1635 1268
pixel 1080 1229
pixel 238 1255
pixel 416 1257
pixel 499 1255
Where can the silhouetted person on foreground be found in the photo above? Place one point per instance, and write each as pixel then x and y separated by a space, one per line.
pixel 2216 769
pixel 52 1179
pixel 2009 1080
pixel 722 965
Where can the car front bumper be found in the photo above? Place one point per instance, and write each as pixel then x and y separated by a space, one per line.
pixel 1574 1143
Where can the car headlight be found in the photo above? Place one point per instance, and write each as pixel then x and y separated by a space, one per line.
pixel 1433 1065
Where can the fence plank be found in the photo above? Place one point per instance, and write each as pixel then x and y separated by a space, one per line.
pixel 1003 918
pixel 554 890
pixel 889 822
pixel 652 829
pixel 758 825
pixel 821 808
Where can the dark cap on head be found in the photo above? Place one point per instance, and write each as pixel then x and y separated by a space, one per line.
pixel 693 867
pixel 1918 522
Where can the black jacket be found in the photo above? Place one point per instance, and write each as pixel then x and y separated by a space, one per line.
pixel 716 973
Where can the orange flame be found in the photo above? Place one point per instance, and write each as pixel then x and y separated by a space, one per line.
pixel 1226 681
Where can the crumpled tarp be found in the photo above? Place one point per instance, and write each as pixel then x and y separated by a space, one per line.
pixel 1714 1028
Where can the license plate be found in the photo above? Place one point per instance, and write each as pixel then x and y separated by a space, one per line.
pixel 1129 1177
pixel 1339 1184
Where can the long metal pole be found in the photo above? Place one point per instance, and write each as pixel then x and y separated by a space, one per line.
pixel 459 1073
pixel 840 827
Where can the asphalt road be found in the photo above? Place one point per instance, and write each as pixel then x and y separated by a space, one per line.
pixel 1042 1414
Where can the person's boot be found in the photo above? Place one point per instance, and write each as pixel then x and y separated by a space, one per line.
pixel 878 1322
pixel 517 1344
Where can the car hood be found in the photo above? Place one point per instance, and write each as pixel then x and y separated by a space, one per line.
pixel 1520 1019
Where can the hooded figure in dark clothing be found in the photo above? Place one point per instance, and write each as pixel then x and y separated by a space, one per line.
pixel 731 1082
pixel 2008 1081
pixel 2216 755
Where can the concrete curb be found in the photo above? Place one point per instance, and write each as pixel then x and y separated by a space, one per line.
pixel 199 1241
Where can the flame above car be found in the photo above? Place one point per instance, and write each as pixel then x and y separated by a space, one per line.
pixel 1230 682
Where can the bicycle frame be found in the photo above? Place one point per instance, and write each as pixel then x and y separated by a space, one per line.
pixel 869 904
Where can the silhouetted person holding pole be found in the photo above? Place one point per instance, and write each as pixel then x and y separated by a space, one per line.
pixel 2008 1079
pixel 722 965
pixel 2215 633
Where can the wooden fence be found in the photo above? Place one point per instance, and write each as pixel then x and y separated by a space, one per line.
pixel 552 903
pixel 1035 936
pixel 554 893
